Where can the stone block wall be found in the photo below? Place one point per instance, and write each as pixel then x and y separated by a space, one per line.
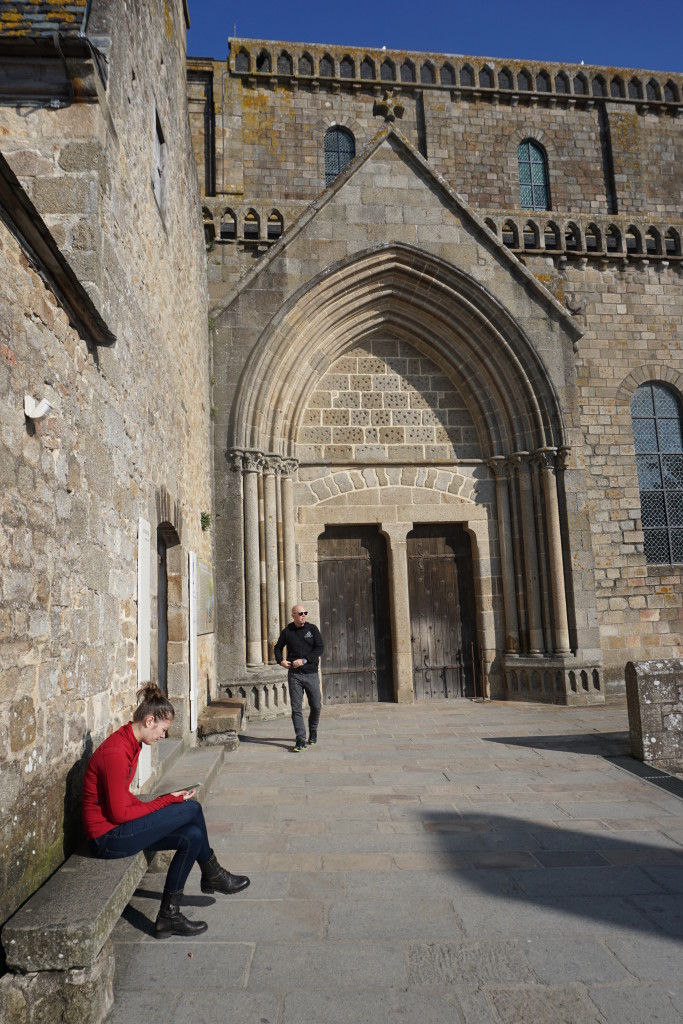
pixel 129 435
pixel 654 690
pixel 633 320
pixel 385 400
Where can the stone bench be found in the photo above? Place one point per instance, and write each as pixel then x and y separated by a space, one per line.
pixel 57 944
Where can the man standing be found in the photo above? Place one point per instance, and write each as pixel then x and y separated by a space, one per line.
pixel 304 646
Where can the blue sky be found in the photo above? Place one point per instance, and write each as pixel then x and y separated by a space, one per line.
pixel 628 33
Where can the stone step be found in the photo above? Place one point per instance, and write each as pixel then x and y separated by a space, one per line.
pixel 221 722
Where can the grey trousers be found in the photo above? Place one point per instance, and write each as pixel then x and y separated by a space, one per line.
pixel 299 683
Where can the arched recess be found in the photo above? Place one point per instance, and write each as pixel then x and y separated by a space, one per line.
pixel 167 537
pixel 439 309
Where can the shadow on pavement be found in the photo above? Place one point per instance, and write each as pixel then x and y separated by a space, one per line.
pixel 593 875
pixel 271 741
pixel 600 744
pixel 144 923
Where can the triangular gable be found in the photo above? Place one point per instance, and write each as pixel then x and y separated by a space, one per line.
pixel 448 196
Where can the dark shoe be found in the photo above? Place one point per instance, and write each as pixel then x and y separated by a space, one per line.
pixel 217 879
pixel 313 738
pixel 299 746
pixel 171 922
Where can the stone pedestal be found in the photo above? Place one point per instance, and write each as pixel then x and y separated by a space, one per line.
pixel 654 691
pixel 81 995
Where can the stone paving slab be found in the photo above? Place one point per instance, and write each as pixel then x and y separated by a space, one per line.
pixel 443 862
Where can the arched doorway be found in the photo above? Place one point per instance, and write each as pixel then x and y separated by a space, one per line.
pixel 167 537
pixel 162 614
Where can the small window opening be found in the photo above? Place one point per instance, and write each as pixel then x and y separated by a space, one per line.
pixel 252 226
pixel 228 229
pixel 159 171
pixel 274 226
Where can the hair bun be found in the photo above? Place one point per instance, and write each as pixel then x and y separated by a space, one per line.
pixel 150 691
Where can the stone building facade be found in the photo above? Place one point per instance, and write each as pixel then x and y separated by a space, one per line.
pixel 444 291
pixel 101 501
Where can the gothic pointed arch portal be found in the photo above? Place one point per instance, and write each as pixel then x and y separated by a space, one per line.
pixel 439 309
pixel 394 390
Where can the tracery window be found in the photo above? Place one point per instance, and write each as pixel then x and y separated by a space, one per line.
pixel 340 149
pixel 656 418
pixel 533 176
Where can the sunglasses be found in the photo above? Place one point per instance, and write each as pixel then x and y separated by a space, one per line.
pixel 301 613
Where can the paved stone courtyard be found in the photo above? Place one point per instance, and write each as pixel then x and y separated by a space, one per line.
pixel 438 862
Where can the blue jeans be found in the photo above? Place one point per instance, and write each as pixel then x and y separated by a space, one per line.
pixel 179 827
pixel 299 682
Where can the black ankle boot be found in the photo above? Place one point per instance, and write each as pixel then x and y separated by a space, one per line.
pixel 171 922
pixel 217 879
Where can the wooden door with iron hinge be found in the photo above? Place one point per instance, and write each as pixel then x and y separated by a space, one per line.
pixel 354 615
pixel 442 612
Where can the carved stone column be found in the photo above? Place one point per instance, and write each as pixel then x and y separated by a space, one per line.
pixel 559 594
pixel 499 467
pixel 251 465
pixel 402 654
pixel 270 537
pixel 289 549
pixel 280 544
pixel 521 461
pixel 262 564
pixel 546 606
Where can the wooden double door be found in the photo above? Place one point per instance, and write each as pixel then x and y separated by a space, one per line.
pixel 354 615
pixel 442 612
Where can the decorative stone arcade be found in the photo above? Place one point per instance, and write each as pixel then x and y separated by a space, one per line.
pixel 395 391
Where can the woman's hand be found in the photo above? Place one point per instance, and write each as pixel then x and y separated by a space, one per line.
pixel 186 794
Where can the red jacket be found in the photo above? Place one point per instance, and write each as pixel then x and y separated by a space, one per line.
pixel 107 800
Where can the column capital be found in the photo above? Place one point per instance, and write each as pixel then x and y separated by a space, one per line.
pixel 235 456
pixel 563 455
pixel 252 462
pixel 271 465
pixel 520 460
pixel 499 466
pixel 545 457
pixel 288 467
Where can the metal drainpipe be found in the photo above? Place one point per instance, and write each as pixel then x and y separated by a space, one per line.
pixel 67 72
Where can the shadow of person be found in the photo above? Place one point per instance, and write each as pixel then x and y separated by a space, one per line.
pixel 188 899
pixel 271 741
pixel 73 835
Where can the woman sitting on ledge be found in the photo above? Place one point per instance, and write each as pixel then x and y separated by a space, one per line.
pixel 117 824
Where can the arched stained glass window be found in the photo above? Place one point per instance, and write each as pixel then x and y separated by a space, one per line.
pixel 656 417
pixel 340 149
pixel 533 177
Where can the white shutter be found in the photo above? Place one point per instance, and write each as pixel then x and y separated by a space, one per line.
pixel 144 625
pixel 192 579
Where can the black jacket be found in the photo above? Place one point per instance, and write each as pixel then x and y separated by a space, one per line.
pixel 301 642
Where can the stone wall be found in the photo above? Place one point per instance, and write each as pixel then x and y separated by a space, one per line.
pixel 128 437
pixel 386 401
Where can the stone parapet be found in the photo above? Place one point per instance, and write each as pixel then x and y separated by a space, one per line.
pixel 264 690
pixel 318 66
pixel 572 680
pixel 654 692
